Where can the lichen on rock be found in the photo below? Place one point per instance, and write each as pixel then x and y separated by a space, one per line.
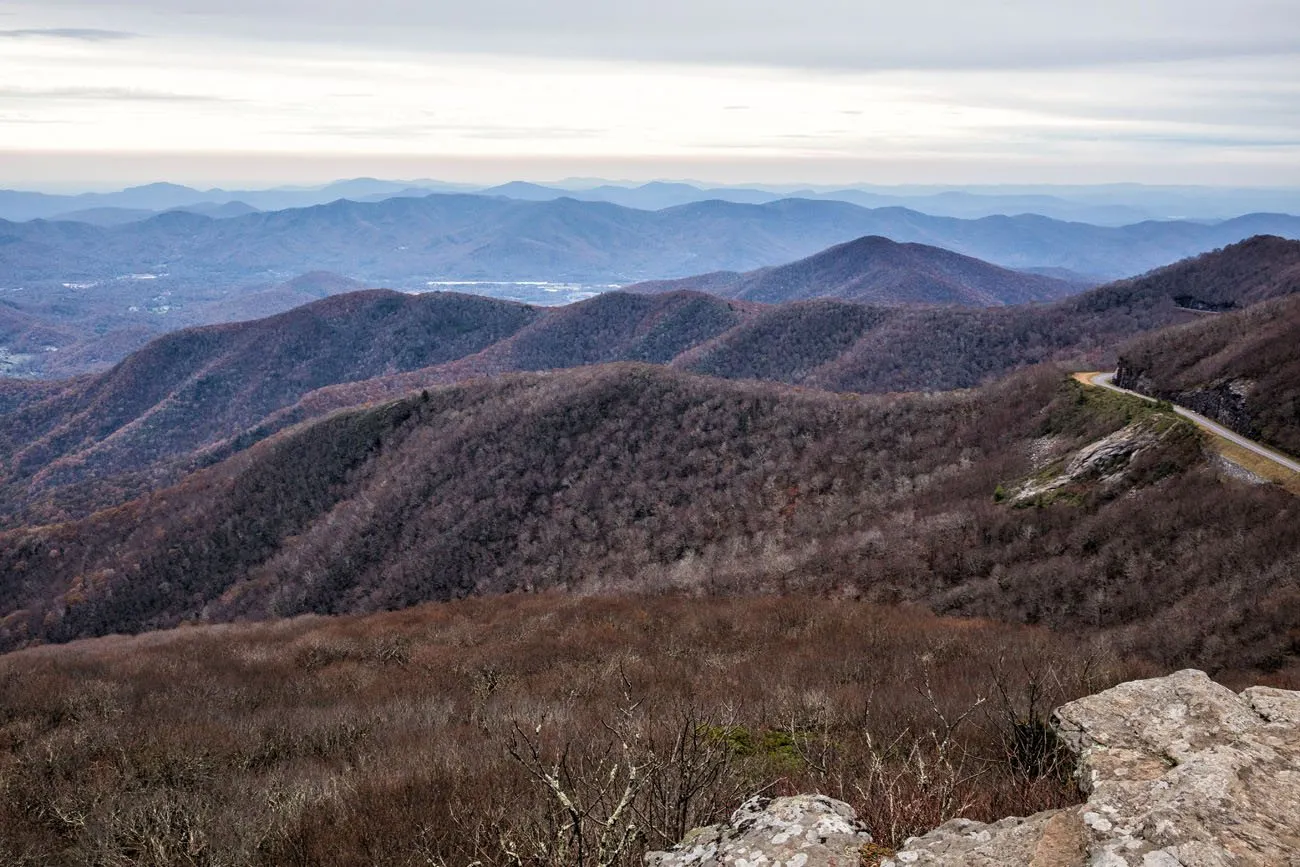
pixel 801 831
pixel 1179 772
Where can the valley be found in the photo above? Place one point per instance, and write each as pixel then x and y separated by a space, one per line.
pixel 97 292
pixel 854 524
pixel 195 395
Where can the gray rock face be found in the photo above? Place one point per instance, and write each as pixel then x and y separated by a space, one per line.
pixel 803 831
pixel 1181 772
pixel 1226 401
pixel 1106 460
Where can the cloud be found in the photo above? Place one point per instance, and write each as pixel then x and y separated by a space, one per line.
pixel 811 34
pixel 94 94
pixel 504 133
pixel 1108 86
pixel 84 34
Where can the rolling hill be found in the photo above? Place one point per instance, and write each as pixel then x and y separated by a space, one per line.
pixel 875 270
pixel 189 389
pixel 206 393
pixel 87 327
pixel 636 477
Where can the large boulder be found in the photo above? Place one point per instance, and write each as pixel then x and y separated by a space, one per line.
pixel 1179 771
pixel 803 831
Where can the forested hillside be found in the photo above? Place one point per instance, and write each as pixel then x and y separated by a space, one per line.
pixel 876 270
pixel 471 237
pixel 190 397
pixel 1240 368
pixel 637 478
pixel 111 436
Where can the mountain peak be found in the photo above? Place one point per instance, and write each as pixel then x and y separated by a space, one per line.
pixel 878 270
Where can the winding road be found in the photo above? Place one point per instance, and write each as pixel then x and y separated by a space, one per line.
pixel 1105 380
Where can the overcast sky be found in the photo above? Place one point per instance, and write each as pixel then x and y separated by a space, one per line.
pixel 823 91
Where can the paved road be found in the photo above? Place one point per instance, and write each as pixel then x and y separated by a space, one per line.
pixel 1105 381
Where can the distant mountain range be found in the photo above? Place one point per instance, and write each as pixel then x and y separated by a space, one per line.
pixel 109 216
pixel 80 297
pixel 1106 205
pixel 406 242
pixel 152 199
pixel 876 270
pixel 200 394
pixel 1103 205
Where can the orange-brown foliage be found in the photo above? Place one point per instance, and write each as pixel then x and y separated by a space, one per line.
pixel 388 738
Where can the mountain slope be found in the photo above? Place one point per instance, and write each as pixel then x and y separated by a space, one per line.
pixel 875 270
pixel 193 387
pixel 210 725
pixel 93 325
pixel 206 393
pixel 637 477
pixel 1241 369
pixel 939 349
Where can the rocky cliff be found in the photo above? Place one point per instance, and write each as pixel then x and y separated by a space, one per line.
pixel 1179 772
pixel 1224 401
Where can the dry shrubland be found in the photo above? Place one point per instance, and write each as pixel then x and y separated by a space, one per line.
pixel 525 730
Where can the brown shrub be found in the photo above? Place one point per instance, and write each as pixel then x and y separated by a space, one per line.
pixel 526 730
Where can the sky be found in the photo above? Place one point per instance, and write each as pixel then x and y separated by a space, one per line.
pixel 264 92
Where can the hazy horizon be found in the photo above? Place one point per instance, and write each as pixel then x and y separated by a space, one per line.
pixel 266 92
pixel 583 183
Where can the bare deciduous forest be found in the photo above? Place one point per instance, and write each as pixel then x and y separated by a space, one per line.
pixel 449 606
pixel 98 441
pixel 637 478
pixel 1241 368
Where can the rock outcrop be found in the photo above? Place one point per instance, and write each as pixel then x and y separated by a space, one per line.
pixel 1226 401
pixel 1179 772
pixel 803 831
pixel 1103 461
